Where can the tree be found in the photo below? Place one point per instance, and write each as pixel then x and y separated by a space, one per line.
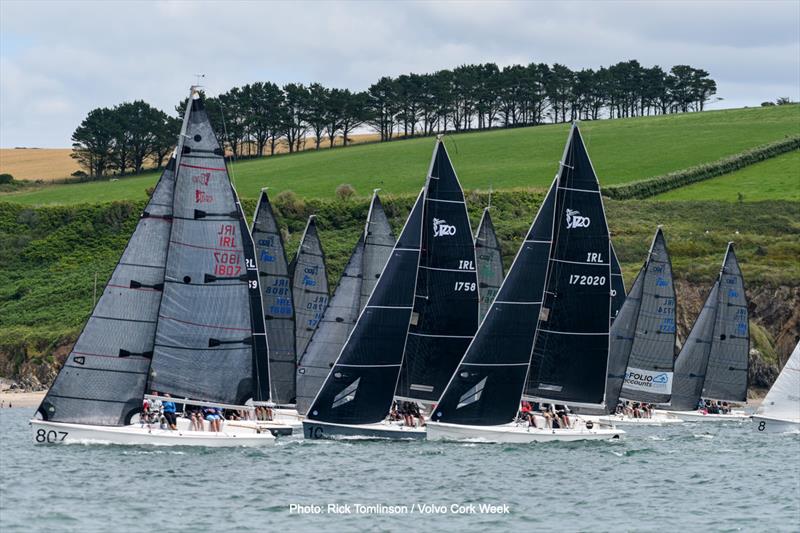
pixel 295 110
pixel 382 104
pixel 165 139
pixel 354 113
pixel 261 104
pixel 93 141
pixel 316 112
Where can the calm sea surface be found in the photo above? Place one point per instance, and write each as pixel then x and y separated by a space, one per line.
pixel 694 477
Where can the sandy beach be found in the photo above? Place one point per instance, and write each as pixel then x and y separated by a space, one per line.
pixel 21 399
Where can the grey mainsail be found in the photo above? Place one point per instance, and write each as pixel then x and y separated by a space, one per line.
pixel 378 244
pixel 309 288
pixel 728 361
pixel 692 361
pixel 617 285
pixel 340 316
pixel 276 291
pixel 104 376
pixel 489 259
pixel 208 342
pixel 648 377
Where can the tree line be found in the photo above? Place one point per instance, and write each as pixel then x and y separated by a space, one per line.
pixel 261 117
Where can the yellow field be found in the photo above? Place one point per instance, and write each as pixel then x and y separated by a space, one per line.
pixel 55 163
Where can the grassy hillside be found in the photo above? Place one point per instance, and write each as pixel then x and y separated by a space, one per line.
pixel 49 255
pixel 777 178
pixel 622 151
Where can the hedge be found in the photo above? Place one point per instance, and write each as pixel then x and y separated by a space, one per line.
pixel 658 184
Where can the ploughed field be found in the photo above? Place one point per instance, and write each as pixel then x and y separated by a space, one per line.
pixel 622 151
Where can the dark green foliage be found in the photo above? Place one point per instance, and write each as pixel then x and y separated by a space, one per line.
pixel 6 179
pixel 673 180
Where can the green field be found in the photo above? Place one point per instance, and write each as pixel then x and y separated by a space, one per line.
pixel 776 178
pixel 622 150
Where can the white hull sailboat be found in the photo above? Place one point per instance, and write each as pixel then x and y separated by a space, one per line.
pixel 45 432
pixel 780 410
pixel 518 433
pixel 313 429
pixel 766 424
pixel 626 420
pixel 702 416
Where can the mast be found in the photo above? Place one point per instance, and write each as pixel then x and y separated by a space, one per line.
pixel 103 378
pixel 276 293
pixel 649 374
pixel 488 383
pixel 378 244
pixel 360 386
pixel 445 314
pixel 570 351
pixel 489 259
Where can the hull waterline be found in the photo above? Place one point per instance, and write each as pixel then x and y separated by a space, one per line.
pixel 315 430
pixel 700 416
pixel 517 433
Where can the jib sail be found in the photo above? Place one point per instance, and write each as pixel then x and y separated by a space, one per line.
pixel 378 245
pixel 489 259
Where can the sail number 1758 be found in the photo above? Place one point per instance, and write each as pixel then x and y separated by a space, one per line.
pixel 576 279
pixel 466 286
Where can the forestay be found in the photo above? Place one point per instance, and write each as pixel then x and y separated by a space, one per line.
pixel 570 353
pixel 276 291
pixel 309 288
pixel 487 386
pixel 648 377
pixel 103 378
pixel 210 344
pixel 490 262
pixel 783 399
pixel 446 298
pixel 360 387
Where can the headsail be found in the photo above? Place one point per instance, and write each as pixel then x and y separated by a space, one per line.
pixel 276 291
pixel 648 377
pixel 617 285
pixel 487 386
pixel 208 345
pixel 104 376
pixel 489 259
pixel 378 244
pixel 728 362
pixel 692 361
pixel 309 288
pixel 340 316
pixel 360 387
pixel 446 299
pixel 783 399
pixel 570 353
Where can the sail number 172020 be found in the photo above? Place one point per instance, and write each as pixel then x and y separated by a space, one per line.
pixel 576 279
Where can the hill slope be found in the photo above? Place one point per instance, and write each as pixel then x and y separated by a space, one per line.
pixel 622 150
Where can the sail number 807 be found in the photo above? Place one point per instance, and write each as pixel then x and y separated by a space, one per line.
pixel 466 286
pixel 576 279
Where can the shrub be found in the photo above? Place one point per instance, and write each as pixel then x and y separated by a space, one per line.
pixel 6 179
pixel 345 191
pixel 289 203
pixel 79 174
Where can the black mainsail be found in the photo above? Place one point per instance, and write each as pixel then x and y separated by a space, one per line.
pixel 276 292
pixel 445 314
pixel 103 378
pixel 570 353
pixel 309 288
pixel 360 387
pixel 487 386
pixel 489 259
pixel 210 344
pixel 728 361
pixel 692 361
pixel 378 244
pixel 648 377
pixel 338 321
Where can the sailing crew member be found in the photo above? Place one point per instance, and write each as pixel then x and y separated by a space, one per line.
pixel 169 413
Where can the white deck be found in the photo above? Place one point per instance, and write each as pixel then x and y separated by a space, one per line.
pixel 520 433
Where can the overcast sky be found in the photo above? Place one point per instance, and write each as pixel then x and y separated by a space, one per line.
pixel 60 60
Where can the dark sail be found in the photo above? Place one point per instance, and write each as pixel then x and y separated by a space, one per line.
pixel 570 353
pixel 360 387
pixel 489 259
pixel 205 345
pixel 617 285
pixel 446 299
pixel 103 378
pixel 692 361
pixel 487 386
pixel 276 291
pixel 309 288
pixel 336 324
pixel 649 374
pixel 378 245
pixel 728 362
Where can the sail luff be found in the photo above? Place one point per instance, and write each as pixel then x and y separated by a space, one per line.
pixel 617 285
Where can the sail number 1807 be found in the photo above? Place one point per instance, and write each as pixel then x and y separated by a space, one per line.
pixel 576 279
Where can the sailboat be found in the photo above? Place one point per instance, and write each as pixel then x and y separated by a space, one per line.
pixel 779 412
pixel 367 260
pixel 489 259
pixel 714 361
pixel 180 316
pixel 482 399
pixel 643 341
pixel 618 294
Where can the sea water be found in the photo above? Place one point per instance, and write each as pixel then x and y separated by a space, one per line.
pixel 686 477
